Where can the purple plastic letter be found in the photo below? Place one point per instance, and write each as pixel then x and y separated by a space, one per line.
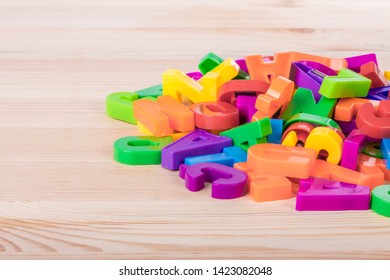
pixel 380 93
pixel 196 143
pixel 309 74
pixel 227 182
pixel 347 127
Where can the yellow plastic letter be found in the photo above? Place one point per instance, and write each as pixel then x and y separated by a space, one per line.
pixel 324 138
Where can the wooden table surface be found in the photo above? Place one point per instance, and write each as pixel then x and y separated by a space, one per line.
pixel 62 196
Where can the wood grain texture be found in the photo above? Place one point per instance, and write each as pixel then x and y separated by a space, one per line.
pixel 62 196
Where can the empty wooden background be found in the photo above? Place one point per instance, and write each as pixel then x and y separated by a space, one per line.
pixel 61 193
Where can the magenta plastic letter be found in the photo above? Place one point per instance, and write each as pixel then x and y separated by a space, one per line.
pixel 353 144
pixel 317 194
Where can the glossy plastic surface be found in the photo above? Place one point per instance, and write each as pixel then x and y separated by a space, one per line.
pixel 249 134
pixel 163 117
pixel 346 84
pixel 226 182
pixel 140 150
pixel 380 202
pixel 316 194
pixel 215 115
pixel 279 160
pixel 196 143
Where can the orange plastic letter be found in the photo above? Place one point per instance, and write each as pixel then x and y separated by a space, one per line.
pixel 368 165
pixel 279 160
pixel 260 69
pixel 163 117
pixel 276 98
pixel 347 108
pixel 263 187
pixel 269 187
pixel 342 174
